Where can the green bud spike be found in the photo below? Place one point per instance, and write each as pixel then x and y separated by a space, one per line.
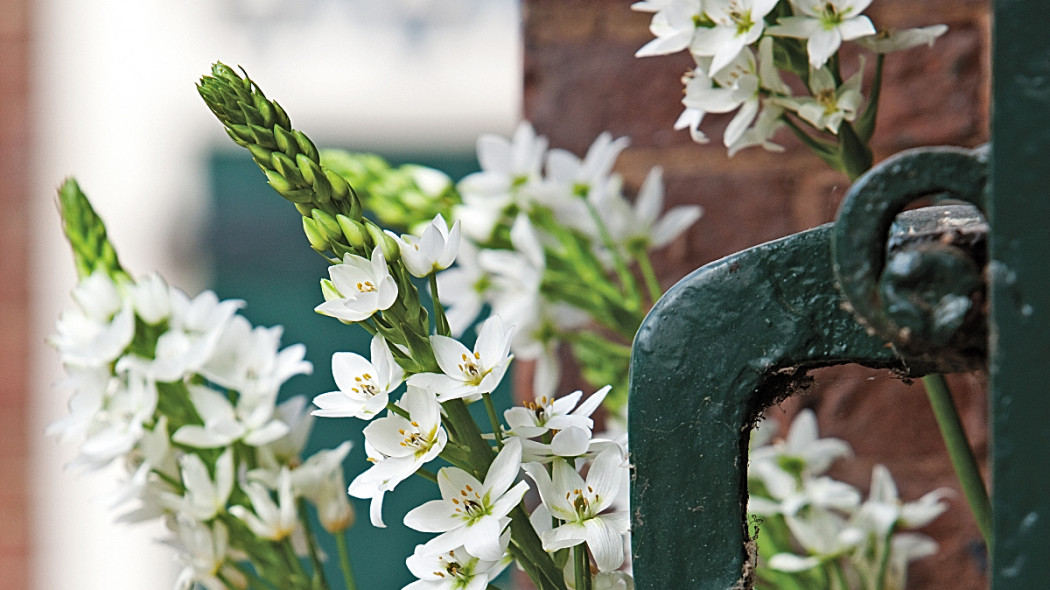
pixel 87 234
pixel 327 224
pixel 314 235
pixel 289 159
pixel 353 230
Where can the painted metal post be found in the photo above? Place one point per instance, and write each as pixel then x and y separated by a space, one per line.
pixel 1019 215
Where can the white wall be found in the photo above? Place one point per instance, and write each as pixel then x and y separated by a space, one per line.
pixel 115 106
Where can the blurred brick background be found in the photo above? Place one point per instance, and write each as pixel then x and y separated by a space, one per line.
pixel 581 79
pixel 14 305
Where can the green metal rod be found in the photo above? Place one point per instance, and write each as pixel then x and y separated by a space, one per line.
pixel 961 454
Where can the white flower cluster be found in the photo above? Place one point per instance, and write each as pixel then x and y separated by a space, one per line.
pixel 832 530
pixel 723 35
pixel 549 440
pixel 546 229
pixel 184 391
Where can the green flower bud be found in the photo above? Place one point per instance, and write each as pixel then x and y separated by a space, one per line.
pixel 391 251
pixel 327 224
pixel 287 168
pixel 285 142
pixel 314 235
pixel 353 231
pixel 306 146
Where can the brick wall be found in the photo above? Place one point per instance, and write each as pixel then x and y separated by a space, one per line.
pixel 14 312
pixel 581 78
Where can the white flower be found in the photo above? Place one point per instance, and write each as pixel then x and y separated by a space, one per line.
pixel 508 168
pixel 761 133
pixel 194 330
pixel 462 289
pixel 251 421
pixel 320 480
pixel 456 569
pixel 472 513
pixel 674 24
pixel 887 41
pixel 825 24
pixel 364 387
pixel 433 251
pixel 116 427
pixel 883 511
pixel 204 497
pixel 544 414
pixel 736 85
pixel 397 447
pixel 101 327
pixel 802 453
pixel 468 373
pixel 151 297
pixel 579 177
pixel 641 226
pixel 737 24
pixel 358 288
pixel 202 552
pixel 270 520
pixel 579 505
pixel 830 105
pixel 246 359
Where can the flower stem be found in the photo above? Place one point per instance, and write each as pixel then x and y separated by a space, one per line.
pixel 315 558
pixel 582 567
pixel 344 561
pixel 440 320
pixel 493 418
pixel 626 278
pixel 960 452
pixel 884 561
pixel 645 264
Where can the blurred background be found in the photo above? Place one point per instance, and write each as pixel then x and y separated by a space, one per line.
pixel 104 91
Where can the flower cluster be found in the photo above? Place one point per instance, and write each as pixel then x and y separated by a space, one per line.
pixel 815 528
pixel 183 391
pixel 741 47
pixel 547 240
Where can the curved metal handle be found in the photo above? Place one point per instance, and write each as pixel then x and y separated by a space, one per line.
pixel 734 337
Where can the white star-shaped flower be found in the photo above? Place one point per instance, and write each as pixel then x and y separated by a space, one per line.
pixel 358 288
pixel 364 386
pixel 472 513
pixel 468 373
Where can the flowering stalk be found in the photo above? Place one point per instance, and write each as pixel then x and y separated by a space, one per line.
pixel 184 392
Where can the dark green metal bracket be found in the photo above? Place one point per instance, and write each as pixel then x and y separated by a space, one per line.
pixel 740 334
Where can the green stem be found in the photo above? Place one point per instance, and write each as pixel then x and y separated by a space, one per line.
pixel 884 561
pixel 840 575
pixel 645 264
pixel 582 567
pixel 344 561
pixel 440 320
pixel 427 475
pixel 315 558
pixel 297 571
pixel 497 431
pixel 626 278
pixel 961 453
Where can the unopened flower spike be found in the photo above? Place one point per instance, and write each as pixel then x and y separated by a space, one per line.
pixel 86 233
pixel 289 159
